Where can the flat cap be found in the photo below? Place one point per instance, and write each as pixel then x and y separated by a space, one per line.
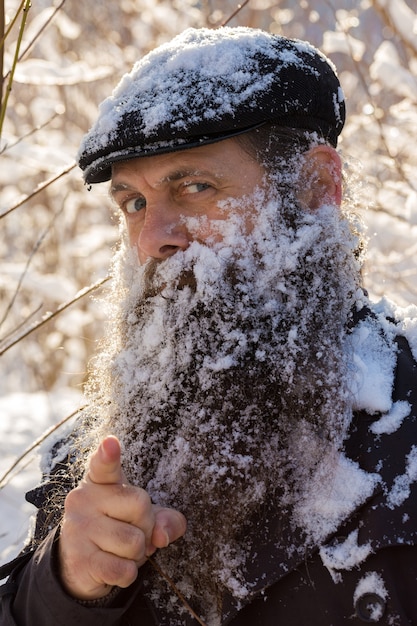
pixel 207 85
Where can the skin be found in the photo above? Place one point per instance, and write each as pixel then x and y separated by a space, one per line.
pixel 109 527
pixel 157 194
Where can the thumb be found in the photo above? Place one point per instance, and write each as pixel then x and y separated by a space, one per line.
pixel 105 466
pixel 170 525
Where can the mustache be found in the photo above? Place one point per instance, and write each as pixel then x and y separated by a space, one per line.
pixel 154 286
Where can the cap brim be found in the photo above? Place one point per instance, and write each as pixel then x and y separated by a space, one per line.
pixel 100 170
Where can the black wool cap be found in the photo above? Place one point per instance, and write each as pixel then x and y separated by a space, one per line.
pixel 207 85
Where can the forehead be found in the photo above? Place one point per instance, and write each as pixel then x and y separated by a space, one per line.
pixel 223 158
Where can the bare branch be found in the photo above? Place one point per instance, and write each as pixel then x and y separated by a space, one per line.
pixel 31 132
pixel 387 18
pixel 28 261
pixel 239 8
pixel 175 590
pixel 51 316
pixel 23 322
pixel 1 49
pixel 37 190
pixel 5 33
pixel 38 34
pixel 15 60
pixel 396 162
pixel 378 208
pixel 35 444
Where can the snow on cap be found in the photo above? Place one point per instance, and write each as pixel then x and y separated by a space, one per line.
pixel 207 85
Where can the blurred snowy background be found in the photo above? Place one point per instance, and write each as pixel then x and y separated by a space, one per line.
pixel 56 237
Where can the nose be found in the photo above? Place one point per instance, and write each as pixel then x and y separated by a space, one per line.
pixel 162 234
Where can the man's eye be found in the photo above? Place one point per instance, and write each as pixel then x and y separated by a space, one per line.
pixel 134 205
pixel 195 187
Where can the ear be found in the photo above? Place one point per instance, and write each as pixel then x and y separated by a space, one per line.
pixel 322 178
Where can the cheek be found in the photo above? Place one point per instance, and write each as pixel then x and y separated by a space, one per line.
pixel 133 232
pixel 198 227
pixel 231 221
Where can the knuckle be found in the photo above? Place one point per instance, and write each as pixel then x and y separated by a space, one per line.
pixel 74 499
pixel 140 498
pixel 115 571
pixel 134 539
pixel 77 526
pixel 129 574
pixel 137 501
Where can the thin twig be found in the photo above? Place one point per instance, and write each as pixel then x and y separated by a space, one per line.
pixel 378 208
pixel 37 443
pixel 390 22
pixel 40 188
pixel 8 146
pixel 14 64
pixel 175 590
pixel 38 34
pixel 12 23
pixel 396 162
pixel 40 31
pixel 57 311
pixel 2 25
pixel 22 323
pixel 28 261
pixel 239 8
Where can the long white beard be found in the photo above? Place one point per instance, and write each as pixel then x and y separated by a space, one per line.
pixel 209 382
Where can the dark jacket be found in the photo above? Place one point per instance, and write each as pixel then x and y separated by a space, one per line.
pixel 312 587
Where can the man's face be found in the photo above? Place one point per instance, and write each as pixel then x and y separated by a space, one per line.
pixel 172 199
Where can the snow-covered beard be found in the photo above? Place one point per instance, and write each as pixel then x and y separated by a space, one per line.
pixel 224 380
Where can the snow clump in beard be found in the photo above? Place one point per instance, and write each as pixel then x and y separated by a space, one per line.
pixel 225 380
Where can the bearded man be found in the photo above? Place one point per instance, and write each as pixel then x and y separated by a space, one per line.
pixel 248 456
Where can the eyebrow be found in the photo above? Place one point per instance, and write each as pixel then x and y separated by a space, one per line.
pixel 184 172
pixel 119 187
pixel 172 176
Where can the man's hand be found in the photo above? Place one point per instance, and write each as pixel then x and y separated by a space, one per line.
pixel 109 528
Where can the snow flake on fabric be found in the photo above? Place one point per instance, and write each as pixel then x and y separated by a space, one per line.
pixel 344 555
pixel 401 487
pixel 409 328
pixel 335 492
pixel 373 365
pixel 391 421
pixel 405 318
